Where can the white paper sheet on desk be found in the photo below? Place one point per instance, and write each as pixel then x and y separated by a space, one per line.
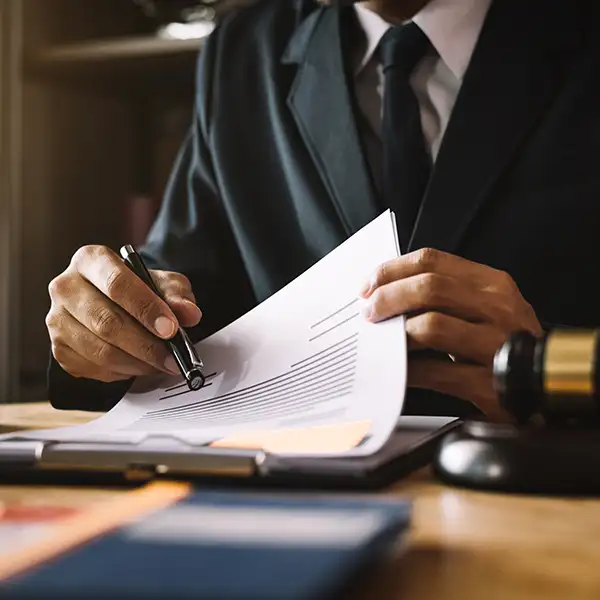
pixel 304 357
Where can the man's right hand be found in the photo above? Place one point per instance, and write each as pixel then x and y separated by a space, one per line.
pixel 105 323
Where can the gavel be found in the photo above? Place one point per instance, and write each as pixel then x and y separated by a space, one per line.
pixel 555 376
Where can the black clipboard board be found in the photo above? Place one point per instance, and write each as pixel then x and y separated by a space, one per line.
pixel 412 446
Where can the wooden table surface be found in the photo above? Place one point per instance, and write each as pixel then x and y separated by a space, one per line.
pixel 463 545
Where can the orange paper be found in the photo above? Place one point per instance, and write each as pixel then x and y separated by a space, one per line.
pixel 313 440
pixel 97 520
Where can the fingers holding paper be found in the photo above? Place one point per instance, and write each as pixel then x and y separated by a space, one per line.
pixel 454 306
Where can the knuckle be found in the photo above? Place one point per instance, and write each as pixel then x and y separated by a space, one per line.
pixel 104 353
pixel 184 281
pixel 432 325
pixel 54 287
pixel 53 320
pixel 87 253
pixel 105 323
pixel 507 282
pixel 427 258
pixel 150 353
pixel 175 284
pixel 428 322
pixel 186 286
pixel 117 283
pixel 82 253
pixel 379 301
pixel 431 287
pixel 146 311
pixel 381 274
pixel 177 279
pixel 59 286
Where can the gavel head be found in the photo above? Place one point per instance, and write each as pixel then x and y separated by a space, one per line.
pixel 554 375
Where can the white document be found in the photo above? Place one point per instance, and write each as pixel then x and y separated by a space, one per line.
pixel 304 357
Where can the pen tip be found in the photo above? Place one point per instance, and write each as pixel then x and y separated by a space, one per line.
pixel 196 382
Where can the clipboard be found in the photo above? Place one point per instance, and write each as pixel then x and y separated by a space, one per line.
pixel 412 446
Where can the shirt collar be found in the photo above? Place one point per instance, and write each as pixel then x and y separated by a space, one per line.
pixel 452 26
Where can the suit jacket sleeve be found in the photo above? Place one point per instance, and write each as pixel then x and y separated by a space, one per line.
pixel 192 236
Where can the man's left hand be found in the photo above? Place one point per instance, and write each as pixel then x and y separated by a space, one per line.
pixel 455 306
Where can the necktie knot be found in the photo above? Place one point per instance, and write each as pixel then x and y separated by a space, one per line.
pixel 402 47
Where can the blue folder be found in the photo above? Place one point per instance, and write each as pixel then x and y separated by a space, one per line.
pixel 228 545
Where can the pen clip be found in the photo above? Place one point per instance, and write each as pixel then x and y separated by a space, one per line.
pixel 183 350
pixel 195 359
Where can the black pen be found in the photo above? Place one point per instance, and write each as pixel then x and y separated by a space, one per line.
pixel 180 345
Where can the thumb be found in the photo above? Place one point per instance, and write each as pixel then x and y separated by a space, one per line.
pixel 187 312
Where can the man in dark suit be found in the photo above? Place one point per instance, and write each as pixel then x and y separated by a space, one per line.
pixel 476 122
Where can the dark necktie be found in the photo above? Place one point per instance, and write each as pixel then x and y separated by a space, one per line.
pixel 407 163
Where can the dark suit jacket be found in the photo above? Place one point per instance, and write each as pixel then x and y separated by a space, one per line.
pixel 272 175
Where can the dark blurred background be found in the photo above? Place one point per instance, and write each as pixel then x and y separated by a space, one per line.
pixel 96 96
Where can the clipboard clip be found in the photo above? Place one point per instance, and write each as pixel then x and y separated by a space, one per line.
pixel 131 460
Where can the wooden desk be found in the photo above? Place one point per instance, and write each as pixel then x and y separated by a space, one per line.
pixel 463 545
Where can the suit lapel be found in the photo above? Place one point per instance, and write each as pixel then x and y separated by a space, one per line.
pixel 321 103
pixel 515 69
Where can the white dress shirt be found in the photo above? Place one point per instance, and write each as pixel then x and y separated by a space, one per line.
pixel 453 27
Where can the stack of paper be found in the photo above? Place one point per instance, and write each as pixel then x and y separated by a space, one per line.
pixel 304 360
